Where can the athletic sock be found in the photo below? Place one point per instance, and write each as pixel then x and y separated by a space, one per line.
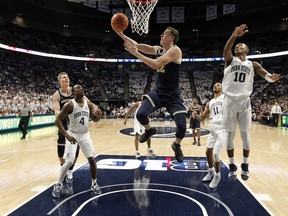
pixel 231 160
pixel 245 160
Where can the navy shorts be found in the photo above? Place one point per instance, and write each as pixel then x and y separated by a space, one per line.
pixel 167 98
pixel 194 123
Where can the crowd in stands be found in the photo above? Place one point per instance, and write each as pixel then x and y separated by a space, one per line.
pixel 35 78
pixel 203 81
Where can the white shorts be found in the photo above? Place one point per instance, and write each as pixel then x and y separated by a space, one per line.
pixel 85 143
pixel 138 128
pixel 237 112
pixel 217 137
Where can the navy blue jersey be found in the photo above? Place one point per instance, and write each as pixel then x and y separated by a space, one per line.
pixel 168 75
pixel 64 99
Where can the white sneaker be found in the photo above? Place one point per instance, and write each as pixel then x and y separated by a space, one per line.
pixel 69 177
pixel 56 190
pixel 215 181
pixel 151 153
pixel 95 189
pixel 209 176
pixel 137 155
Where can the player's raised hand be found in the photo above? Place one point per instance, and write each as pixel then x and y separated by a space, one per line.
pixel 240 30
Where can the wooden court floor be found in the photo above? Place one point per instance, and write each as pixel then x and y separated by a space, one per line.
pixel 30 166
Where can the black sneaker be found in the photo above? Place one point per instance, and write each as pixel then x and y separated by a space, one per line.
pixel 232 174
pixel 178 152
pixel 245 171
pixel 147 134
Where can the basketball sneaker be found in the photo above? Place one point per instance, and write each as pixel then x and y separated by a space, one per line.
pixel 147 134
pixel 56 190
pixel 95 189
pixel 178 152
pixel 151 153
pixel 69 177
pixel 215 181
pixel 137 155
pixel 245 171
pixel 209 176
pixel 199 144
pixel 194 142
pixel 232 174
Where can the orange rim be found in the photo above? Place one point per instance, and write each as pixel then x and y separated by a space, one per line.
pixel 141 2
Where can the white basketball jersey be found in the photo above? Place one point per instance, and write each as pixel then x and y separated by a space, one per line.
pixel 216 109
pixel 238 79
pixel 79 118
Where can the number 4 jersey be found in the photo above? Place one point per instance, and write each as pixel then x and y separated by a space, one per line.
pixel 79 118
pixel 238 79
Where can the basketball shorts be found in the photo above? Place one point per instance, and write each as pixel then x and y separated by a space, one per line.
pixel 85 143
pixel 216 137
pixel 138 128
pixel 169 99
pixel 237 112
pixel 194 123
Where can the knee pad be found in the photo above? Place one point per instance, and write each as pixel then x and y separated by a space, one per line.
pixel 246 141
pixel 217 152
pixel 229 140
pixel 69 160
pixel 217 157
pixel 144 111
pixel 142 118
pixel 180 121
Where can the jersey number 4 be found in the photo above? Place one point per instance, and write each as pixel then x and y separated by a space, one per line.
pixel 82 121
pixel 239 77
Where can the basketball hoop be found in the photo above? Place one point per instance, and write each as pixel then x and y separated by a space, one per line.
pixel 141 11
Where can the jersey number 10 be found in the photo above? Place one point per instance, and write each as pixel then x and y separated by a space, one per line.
pixel 239 77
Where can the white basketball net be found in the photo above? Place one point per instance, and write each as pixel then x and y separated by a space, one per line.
pixel 141 11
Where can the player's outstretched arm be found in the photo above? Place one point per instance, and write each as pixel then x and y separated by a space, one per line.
pixel 265 74
pixel 144 48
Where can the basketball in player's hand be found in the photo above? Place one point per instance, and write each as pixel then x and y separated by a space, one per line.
pixel 95 118
pixel 119 22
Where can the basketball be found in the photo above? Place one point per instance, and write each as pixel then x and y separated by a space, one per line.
pixel 119 22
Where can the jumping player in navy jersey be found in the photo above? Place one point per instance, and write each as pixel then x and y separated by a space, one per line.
pixel 167 93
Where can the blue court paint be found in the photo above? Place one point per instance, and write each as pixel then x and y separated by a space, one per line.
pixel 146 187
